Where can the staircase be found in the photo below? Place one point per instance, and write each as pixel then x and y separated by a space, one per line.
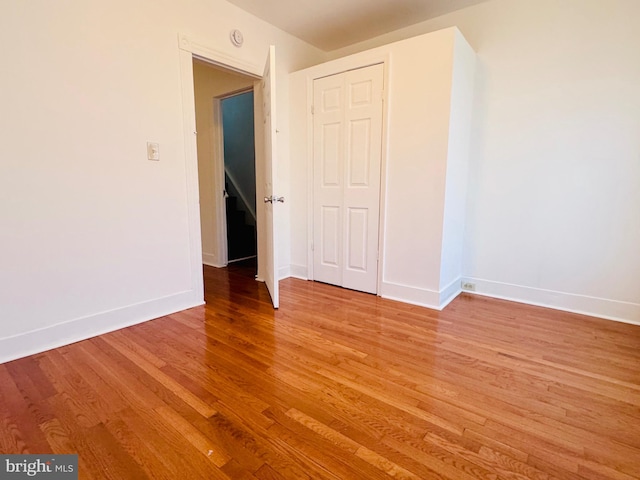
pixel 241 234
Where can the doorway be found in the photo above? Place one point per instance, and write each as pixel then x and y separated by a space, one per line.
pixel 212 84
pixel 222 186
pixel 347 152
pixel 239 175
pixel 264 83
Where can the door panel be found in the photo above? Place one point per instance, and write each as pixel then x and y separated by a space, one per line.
pixel 360 93
pixel 328 179
pixel 330 226
pixel 332 99
pixel 359 153
pixel 362 191
pixel 330 155
pixel 347 156
pixel 357 228
pixel 270 169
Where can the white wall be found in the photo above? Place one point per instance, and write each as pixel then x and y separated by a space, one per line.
pixel 94 236
pixel 419 107
pixel 419 81
pixel 210 82
pixel 455 202
pixel 554 197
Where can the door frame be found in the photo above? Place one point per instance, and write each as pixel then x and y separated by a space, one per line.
pixel 222 246
pixel 336 67
pixel 188 50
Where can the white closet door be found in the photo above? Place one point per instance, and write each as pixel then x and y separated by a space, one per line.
pixel 328 178
pixel 363 150
pixel 347 153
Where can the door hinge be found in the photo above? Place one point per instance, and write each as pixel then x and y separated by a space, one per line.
pixel 313 110
pixel 312 246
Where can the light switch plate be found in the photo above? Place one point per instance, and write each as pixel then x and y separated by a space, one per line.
pixel 153 151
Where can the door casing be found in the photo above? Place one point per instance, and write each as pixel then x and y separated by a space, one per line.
pixel 188 50
pixel 222 248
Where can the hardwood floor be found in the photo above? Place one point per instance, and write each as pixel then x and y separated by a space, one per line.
pixel 336 384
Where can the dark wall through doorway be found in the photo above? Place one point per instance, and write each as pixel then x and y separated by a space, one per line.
pixel 240 175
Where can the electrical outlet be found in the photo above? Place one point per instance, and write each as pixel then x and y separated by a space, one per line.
pixel 468 286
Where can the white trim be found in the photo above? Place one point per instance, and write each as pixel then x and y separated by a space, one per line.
pixel 309 117
pixel 66 333
pixel 620 311
pixel 191 168
pixel 209 259
pixel 218 57
pixel 384 155
pixel 220 210
pixel 422 297
pixel 235 93
pixel 236 260
pixel 412 295
pixel 449 293
pixel 299 271
pixel 284 272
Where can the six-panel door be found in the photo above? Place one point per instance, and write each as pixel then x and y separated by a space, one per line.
pixel 347 130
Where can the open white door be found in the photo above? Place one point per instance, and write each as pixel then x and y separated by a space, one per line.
pixel 270 165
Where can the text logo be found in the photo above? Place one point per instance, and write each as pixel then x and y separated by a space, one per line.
pixel 45 467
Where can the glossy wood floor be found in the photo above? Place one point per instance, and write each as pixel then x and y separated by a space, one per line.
pixel 336 384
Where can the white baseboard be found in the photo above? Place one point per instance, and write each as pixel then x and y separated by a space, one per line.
pixel 72 331
pixel 449 293
pixel 284 272
pixel 422 297
pixel 210 260
pixel 626 312
pixel 299 271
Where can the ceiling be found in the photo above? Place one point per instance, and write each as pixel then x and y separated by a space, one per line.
pixel 332 24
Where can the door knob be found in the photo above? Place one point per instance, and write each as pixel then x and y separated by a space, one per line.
pixel 268 199
pixel 278 199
